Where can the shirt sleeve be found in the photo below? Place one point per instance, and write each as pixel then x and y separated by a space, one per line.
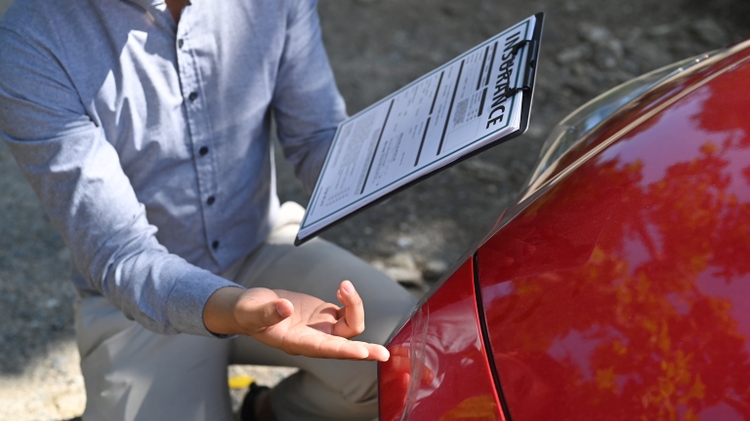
pixel 77 176
pixel 307 105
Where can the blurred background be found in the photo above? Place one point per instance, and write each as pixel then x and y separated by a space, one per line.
pixel 375 47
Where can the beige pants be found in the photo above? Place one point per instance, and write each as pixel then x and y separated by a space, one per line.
pixel 134 374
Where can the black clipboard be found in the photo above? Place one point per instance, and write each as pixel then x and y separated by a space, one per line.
pixel 527 47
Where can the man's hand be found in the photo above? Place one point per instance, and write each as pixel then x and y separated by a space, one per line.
pixel 298 324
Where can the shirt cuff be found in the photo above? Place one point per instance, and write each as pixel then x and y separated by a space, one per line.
pixel 185 304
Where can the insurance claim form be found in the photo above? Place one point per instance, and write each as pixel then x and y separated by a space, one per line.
pixel 471 102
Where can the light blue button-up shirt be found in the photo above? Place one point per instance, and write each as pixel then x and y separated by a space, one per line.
pixel 148 142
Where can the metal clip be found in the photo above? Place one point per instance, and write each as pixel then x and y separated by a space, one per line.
pixel 528 74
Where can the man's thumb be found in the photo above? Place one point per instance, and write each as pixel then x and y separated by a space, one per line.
pixel 276 311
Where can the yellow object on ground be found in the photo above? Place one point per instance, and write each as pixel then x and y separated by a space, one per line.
pixel 240 382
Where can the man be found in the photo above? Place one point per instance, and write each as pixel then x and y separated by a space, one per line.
pixel 143 126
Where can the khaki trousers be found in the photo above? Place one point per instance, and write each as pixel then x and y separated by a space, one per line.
pixel 134 374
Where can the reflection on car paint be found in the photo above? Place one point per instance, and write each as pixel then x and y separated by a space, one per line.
pixel 623 292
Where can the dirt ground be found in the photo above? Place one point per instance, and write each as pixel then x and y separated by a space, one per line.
pixel 375 47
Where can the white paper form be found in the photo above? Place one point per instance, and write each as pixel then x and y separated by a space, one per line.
pixel 458 108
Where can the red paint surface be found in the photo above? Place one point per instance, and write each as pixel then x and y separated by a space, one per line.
pixel 651 100
pixel 623 293
pixel 438 369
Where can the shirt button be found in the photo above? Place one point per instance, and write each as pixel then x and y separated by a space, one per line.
pixel 193 95
pixel 211 200
pixel 180 42
pixel 215 245
pixel 203 151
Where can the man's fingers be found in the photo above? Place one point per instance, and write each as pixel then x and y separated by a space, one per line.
pixel 312 327
pixel 374 352
pixel 378 353
pixel 353 322
pixel 340 348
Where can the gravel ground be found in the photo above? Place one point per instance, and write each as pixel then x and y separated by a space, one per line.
pixel 375 46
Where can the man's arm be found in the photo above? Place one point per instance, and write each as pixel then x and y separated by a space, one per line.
pixel 77 175
pixel 307 105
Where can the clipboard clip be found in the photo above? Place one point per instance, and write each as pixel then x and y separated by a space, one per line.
pixel 516 48
pixel 528 76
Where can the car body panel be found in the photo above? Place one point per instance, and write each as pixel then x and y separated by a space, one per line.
pixel 663 95
pixel 439 369
pixel 622 291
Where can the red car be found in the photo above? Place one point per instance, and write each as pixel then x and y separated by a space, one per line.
pixel 617 286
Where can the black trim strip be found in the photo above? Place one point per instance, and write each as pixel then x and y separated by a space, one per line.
pixel 486 339
pixel 421 144
pixel 481 104
pixel 377 145
pixel 492 63
pixel 450 107
pixel 434 99
pixel 484 63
